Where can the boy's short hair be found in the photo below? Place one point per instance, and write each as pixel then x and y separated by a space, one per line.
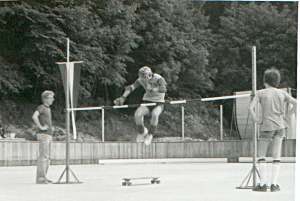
pixel 272 77
pixel 47 94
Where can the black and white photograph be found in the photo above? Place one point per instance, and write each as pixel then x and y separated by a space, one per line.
pixel 165 100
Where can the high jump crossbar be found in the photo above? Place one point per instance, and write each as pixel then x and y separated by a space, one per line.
pixel 225 97
pixel 126 106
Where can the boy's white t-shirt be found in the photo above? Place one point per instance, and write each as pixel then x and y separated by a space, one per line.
pixel 156 81
pixel 273 102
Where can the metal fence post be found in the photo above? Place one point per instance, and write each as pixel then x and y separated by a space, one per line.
pixel 182 122
pixel 102 125
pixel 221 122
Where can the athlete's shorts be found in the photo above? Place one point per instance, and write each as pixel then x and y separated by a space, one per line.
pixel 272 134
pixel 271 142
pixel 157 105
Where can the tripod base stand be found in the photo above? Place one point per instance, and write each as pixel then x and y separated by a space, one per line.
pixel 253 173
pixel 67 172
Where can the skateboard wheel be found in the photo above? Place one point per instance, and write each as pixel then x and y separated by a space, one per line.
pixel 123 183
pixel 152 181
pixel 129 183
pixel 158 182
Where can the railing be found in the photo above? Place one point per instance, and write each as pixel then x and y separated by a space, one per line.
pixel 176 102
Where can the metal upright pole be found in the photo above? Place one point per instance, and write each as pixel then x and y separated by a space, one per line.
pixel 102 125
pixel 67 169
pixel 221 122
pixel 68 112
pixel 253 172
pixel 182 122
pixel 255 124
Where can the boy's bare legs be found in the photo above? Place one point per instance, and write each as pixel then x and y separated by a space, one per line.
pixel 263 145
pixel 276 155
pixel 153 123
pixel 139 120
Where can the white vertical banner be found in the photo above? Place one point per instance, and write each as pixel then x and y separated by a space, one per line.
pixel 69 72
pixel 70 68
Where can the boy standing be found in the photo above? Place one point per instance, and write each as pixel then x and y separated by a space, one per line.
pixel 155 88
pixel 272 125
pixel 43 120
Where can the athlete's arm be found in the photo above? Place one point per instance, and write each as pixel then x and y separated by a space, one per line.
pixel 291 101
pixel 131 88
pixel 128 90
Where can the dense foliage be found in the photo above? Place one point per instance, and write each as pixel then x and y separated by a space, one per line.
pixel 115 38
pixel 272 29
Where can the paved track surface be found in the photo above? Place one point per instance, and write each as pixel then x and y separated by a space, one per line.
pixel 179 181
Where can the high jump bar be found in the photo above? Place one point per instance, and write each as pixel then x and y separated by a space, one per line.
pixel 125 106
pixel 225 97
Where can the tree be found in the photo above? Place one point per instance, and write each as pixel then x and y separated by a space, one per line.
pixel 100 33
pixel 29 44
pixel 271 29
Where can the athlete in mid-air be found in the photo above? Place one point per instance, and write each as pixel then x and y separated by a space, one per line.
pixel 155 89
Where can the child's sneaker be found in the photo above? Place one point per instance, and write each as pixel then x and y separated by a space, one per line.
pixel 141 137
pixel 260 188
pixel 42 181
pixel 275 188
pixel 49 181
pixel 148 139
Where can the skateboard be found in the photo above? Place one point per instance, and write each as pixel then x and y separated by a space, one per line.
pixel 128 181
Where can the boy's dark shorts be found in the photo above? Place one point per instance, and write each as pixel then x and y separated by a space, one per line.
pixel 158 104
